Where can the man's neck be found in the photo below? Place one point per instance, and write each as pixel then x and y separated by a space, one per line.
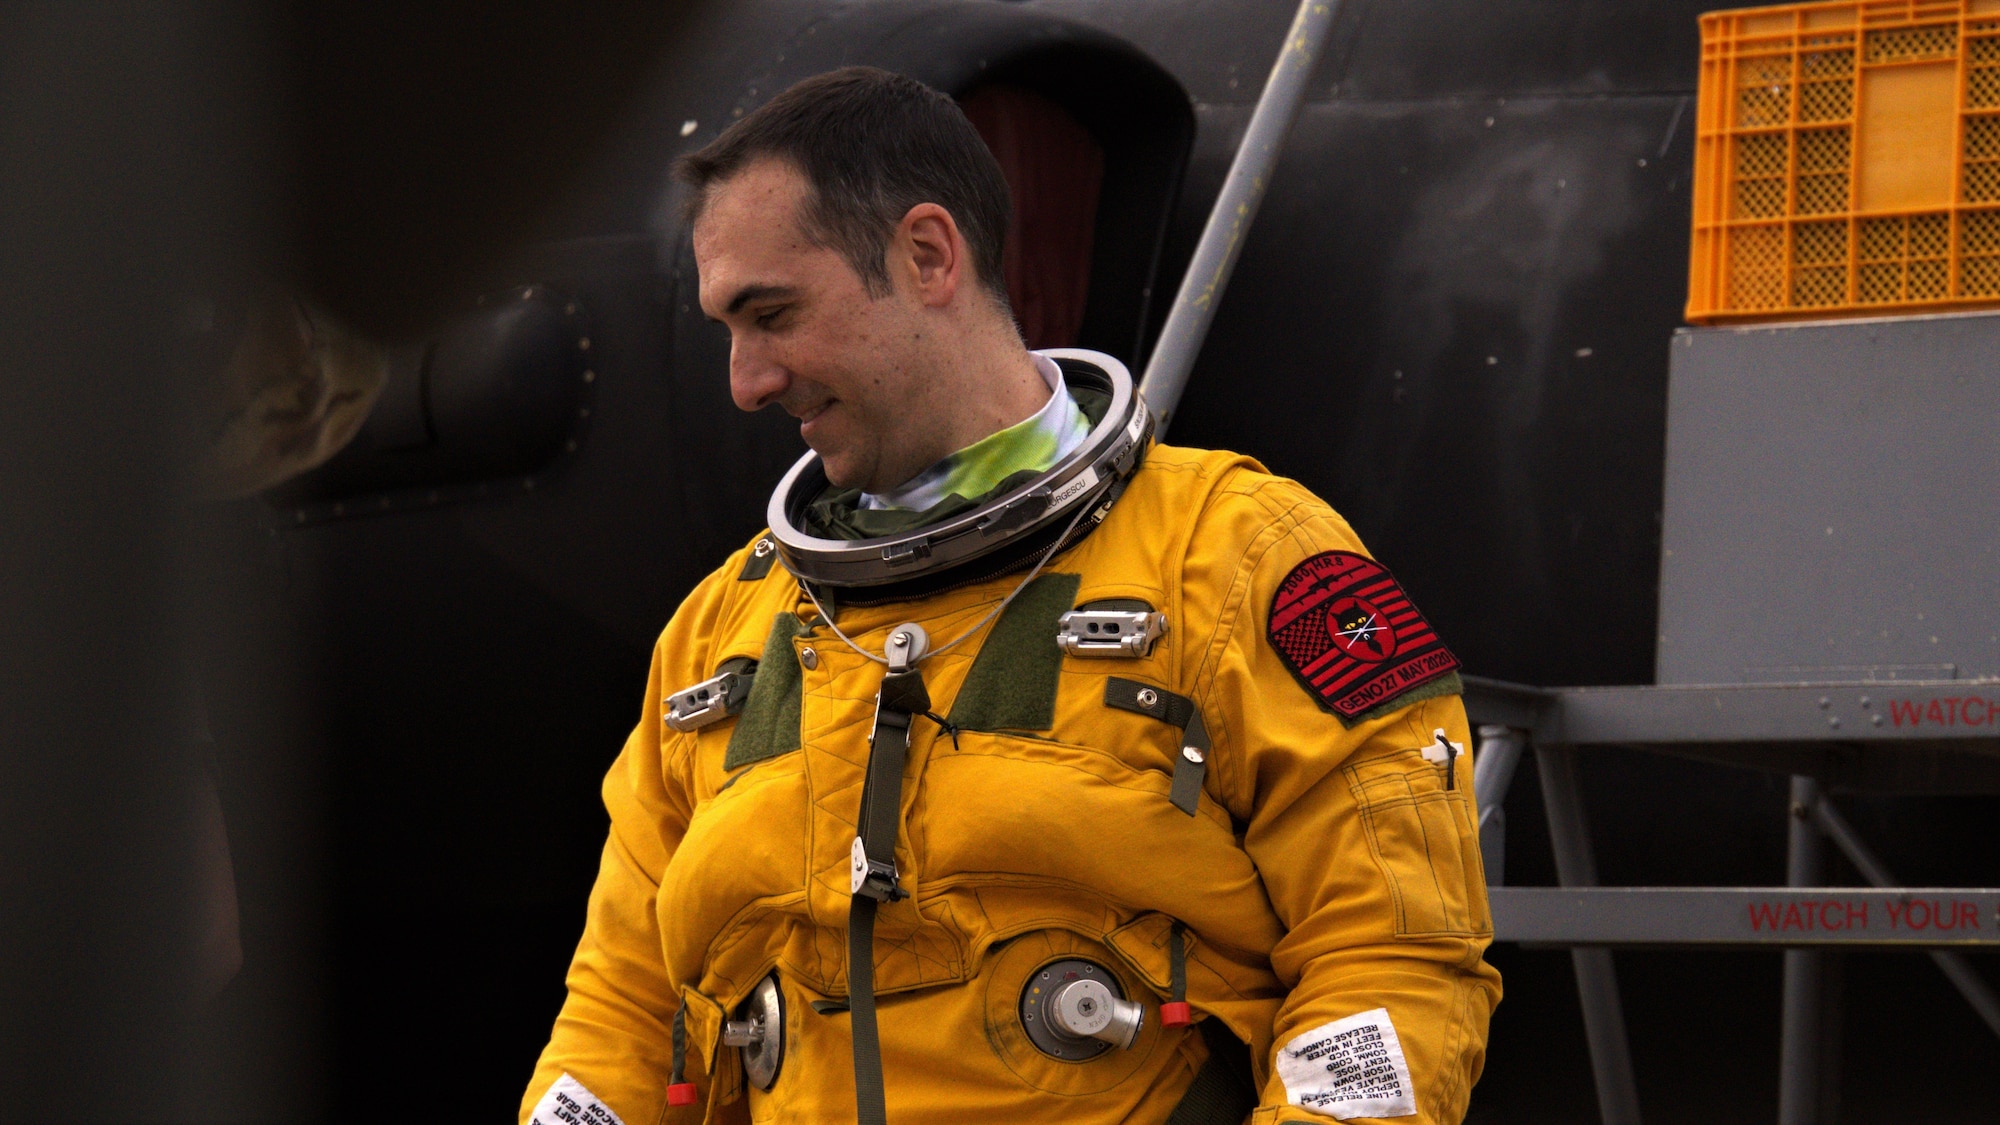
pixel 977 387
pixel 1033 444
pixel 1005 390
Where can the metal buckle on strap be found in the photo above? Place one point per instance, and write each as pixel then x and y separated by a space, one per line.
pixel 872 878
pixel 901 696
pixel 1109 632
pixel 709 701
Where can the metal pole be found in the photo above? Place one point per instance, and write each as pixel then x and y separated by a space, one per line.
pixel 1492 775
pixel 1800 1036
pixel 1596 977
pixel 1235 209
pixel 1493 769
pixel 1954 965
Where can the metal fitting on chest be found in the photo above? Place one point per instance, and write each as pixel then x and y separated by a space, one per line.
pixel 1075 1010
pixel 1109 632
pixel 713 699
pixel 759 1030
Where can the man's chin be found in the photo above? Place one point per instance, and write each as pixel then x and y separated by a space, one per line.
pixel 841 471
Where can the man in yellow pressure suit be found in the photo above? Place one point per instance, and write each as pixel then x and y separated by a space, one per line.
pixel 1025 770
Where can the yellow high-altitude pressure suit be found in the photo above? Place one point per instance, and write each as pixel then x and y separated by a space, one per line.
pixel 1329 878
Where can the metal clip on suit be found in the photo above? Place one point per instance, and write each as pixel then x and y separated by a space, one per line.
pixel 713 699
pixel 1109 632
pixel 872 878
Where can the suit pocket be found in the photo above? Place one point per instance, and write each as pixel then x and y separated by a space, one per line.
pixel 1422 838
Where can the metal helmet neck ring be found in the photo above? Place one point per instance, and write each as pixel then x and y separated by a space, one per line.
pixel 990 537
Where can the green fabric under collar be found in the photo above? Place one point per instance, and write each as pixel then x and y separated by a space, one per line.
pixel 1036 443
pixel 837 513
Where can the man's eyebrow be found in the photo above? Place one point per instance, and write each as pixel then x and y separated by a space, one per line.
pixel 751 293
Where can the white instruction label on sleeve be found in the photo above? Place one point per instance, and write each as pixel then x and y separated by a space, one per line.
pixel 1349 1068
pixel 569 1103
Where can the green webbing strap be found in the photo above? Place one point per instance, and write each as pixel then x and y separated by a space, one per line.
pixel 1192 766
pixel 1177 965
pixel 1152 702
pixel 903 695
pixel 1191 762
pixel 871 1105
pixel 678 1071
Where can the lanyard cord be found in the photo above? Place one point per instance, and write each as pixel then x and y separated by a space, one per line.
pixel 981 624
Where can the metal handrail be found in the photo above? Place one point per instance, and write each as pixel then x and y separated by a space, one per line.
pixel 1235 209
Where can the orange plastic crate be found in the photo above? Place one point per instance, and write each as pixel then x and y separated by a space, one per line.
pixel 1847 160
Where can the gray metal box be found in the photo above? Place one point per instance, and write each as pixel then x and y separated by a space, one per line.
pixel 1832 502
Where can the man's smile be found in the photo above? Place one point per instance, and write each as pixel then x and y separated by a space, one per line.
pixel 809 418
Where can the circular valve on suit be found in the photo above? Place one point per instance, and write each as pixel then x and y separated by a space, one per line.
pixel 759 1030
pixel 1076 1010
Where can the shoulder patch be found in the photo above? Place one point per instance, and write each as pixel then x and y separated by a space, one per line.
pixel 1349 634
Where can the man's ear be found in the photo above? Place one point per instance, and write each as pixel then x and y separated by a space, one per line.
pixel 933 253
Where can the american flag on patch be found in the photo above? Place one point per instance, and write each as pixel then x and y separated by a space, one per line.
pixel 1348 632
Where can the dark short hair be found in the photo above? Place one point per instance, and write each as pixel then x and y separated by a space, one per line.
pixel 871 145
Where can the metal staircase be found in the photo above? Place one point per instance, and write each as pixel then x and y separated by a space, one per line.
pixel 1829 610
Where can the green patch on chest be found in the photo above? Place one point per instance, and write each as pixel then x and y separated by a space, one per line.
pixel 1012 684
pixel 769 724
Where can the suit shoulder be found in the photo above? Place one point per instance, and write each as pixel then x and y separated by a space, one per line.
pixel 1221 491
pixel 728 589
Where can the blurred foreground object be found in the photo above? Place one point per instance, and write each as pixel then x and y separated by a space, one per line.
pixel 374 162
pixel 295 392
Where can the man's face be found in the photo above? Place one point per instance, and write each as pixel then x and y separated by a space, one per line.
pixel 804 332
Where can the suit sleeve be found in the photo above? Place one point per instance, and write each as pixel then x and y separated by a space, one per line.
pixel 1368 848
pixel 612 1043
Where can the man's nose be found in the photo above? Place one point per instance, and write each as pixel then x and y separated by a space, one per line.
pixel 755 379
